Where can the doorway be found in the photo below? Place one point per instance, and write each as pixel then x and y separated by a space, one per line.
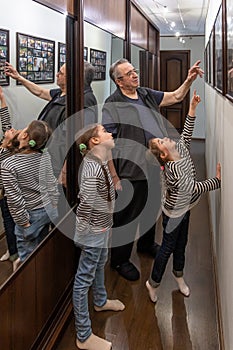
pixel 174 66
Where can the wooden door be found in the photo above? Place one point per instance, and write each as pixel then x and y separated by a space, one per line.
pixel 174 67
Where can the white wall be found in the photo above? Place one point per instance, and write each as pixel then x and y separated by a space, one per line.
pixel 219 145
pixel 196 46
pixel 28 17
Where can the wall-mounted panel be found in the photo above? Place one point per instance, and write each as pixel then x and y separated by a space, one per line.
pixel 152 39
pixel 62 6
pixel 107 15
pixel 139 28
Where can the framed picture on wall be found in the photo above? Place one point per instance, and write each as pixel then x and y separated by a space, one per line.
pixel 218 52
pixel 35 58
pixel 4 55
pixel 61 54
pixel 98 60
pixel 85 53
pixel 229 48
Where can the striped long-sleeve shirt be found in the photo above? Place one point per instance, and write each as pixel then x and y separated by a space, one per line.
pixel 95 210
pixel 181 190
pixel 29 184
pixel 6 124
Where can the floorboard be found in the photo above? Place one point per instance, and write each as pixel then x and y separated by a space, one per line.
pixel 175 322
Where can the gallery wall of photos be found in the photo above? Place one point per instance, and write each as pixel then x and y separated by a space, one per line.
pixel 219 51
pixel 36 58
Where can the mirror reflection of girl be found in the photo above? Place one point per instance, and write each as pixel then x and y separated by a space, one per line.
pixel 9 134
pixel 93 222
pixel 181 191
pixel 30 187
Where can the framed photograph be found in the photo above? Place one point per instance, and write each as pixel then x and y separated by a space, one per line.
pixel 98 60
pixel 218 52
pixel 4 55
pixel 229 49
pixel 35 58
pixel 61 54
pixel 85 53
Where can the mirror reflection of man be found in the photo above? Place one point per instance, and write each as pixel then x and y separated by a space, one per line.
pixel 54 112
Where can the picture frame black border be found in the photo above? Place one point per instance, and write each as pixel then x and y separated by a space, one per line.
pixel 211 52
pixel 52 62
pixel 229 93
pixel 99 75
pixel 60 62
pixel 207 63
pixel 218 27
pixel 6 80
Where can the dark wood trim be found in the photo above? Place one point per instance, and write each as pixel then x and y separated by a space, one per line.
pixel 56 5
pixel 35 300
pixel 127 45
pixel 75 99
pixel 144 14
pixel 52 333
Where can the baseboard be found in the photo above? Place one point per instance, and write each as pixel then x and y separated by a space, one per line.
pixel 216 285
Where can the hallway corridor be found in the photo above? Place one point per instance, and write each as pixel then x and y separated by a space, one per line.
pixel 175 322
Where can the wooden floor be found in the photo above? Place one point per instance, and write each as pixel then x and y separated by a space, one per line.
pixel 175 322
pixel 6 267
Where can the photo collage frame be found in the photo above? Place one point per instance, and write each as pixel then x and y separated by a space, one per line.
pixel 4 55
pixel 35 58
pixel 61 54
pixel 98 60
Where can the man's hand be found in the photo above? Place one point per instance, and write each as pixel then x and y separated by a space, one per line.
pixel 194 71
pixel 10 71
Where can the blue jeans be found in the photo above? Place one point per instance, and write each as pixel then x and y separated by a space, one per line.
pixel 90 272
pixel 9 227
pixel 28 238
pixel 174 242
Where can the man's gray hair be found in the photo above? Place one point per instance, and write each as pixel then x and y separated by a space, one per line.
pixel 89 72
pixel 113 71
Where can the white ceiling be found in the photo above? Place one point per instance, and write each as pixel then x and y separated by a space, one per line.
pixel 189 16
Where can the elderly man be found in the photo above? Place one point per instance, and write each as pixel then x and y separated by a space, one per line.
pixel 131 114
